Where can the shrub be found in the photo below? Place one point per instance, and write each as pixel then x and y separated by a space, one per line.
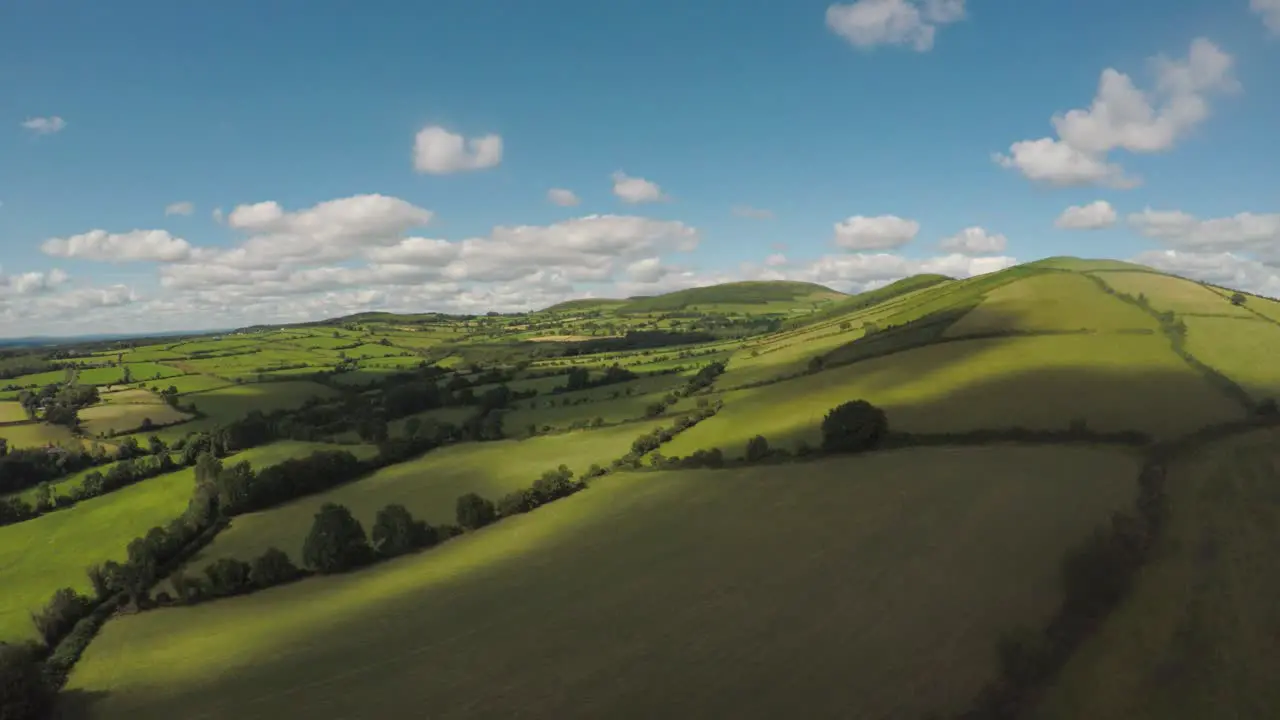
pixel 24 694
pixel 60 614
pixel 474 512
pixel 228 576
pixel 853 427
pixel 337 542
pixel 396 532
pixel 515 503
pixel 273 567
pixel 757 449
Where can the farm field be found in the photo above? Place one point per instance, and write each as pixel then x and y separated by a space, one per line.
pixel 1244 350
pixel 1197 636
pixel 1168 293
pixel 236 401
pixel 883 601
pixel 191 383
pixel 118 418
pixel 35 434
pixel 429 486
pixel 12 412
pixel 1114 382
pixel 52 551
pixel 1051 301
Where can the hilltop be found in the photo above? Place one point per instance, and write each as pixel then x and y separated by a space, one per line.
pixel 1040 489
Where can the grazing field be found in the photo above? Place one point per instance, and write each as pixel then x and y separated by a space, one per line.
pixel 1119 382
pixel 122 417
pixel 39 556
pixel 12 412
pixel 785 358
pixel 129 396
pixel 35 434
pixel 455 415
pixel 190 383
pixel 236 401
pixel 1244 350
pixel 1197 637
pixel 428 486
pixel 1052 301
pixel 1167 293
pixel 653 595
pixel 550 412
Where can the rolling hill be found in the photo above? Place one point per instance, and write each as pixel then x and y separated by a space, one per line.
pixel 1069 514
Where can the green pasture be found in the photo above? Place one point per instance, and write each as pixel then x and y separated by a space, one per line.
pixel 1197 635
pixel 373 350
pixel 12 412
pixel 1168 293
pixel 190 383
pixel 119 417
pixel 867 587
pixel 50 377
pixel 1115 382
pixel 1244 350
pixel 236 401
pixel 429 486
pixel 1075 264
pixel 1051 301
pixel 129 396
pixel 34 435
pixel 552 412
pixel 66 484
pixel 39 556
pixel 783 358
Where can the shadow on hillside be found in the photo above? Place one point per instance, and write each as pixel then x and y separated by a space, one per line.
pixel 77 704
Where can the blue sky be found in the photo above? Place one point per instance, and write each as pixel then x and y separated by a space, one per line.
pixel 409 149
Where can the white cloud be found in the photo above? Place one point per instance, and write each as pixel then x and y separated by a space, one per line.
pixel 647 271
pixel 636 190
pixel 857 271
pixel 217 215
pixel 562 197
pixel 775 260
pixel 440 152
pixel 1269 10
pixel 1122 117
pixel 155 245
pixel 44 125
pixel 747 211
pixel 974 241
pixel 183 207
pixel 1094 216
pixel 869 23
pixel 1221 268
pixel 1249 232
pixel 30 283
pixel 882 232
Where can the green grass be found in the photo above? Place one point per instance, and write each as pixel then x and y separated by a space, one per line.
pixel 1174 294
pixel 1076 264
pixel 114 418
pixel 235 401
pixel 754 294
pixel 1196 636
pixel 52 551
pixel 653 595
pixel 1243 350
pixel 428 486
pixel 34 434
pixel 147 371
pixel 190 383
pixel 1114 382
pixel 11 412
pixel 1053 301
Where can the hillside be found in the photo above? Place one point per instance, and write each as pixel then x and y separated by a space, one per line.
pixel 1071 490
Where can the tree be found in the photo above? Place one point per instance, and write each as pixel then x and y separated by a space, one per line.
pixel 228 576
pixel 1237 299
pixel 474 512
pixel 272 568
pixel 60 614
pixel 396 532
pixel 337 542
pixel 853 427
pixel 24 693
pixel 156 445
pixel 757 449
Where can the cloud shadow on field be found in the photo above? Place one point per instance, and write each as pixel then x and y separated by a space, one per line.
pixel 77 704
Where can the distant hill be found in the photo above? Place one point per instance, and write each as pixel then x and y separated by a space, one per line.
pixel 751 292
pixel 586 304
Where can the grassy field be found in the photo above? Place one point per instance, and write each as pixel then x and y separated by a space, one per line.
pixel 236 401
pixel 52 551
pixel 652 595
pixel 190 383
pixel 1052 301
pixel 428 486
pixel 120 417
pixel 12 412
pixel 1114 382
pixel 1243 350
pixel 1197 637
pixel 1172 293
pixel 35 434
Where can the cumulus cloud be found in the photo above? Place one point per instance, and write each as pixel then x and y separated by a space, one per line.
pixel 30 283
pixel 136 245
pixel 869 23
pixel 1122 117
pixel 562 197
pixel 1269 11
pixel 775 260
pixel 974 241
pixel 183 207
pixel 1094 216
pixel 1219 268
pixel 439 152
pixel 754 213
pixel 647 271
pixel 636 190
pixel 860 270
pixel 1250 232
pixel 44 125
pixel 882 232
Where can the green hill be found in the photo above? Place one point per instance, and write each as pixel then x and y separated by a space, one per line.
pixel 1071 514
